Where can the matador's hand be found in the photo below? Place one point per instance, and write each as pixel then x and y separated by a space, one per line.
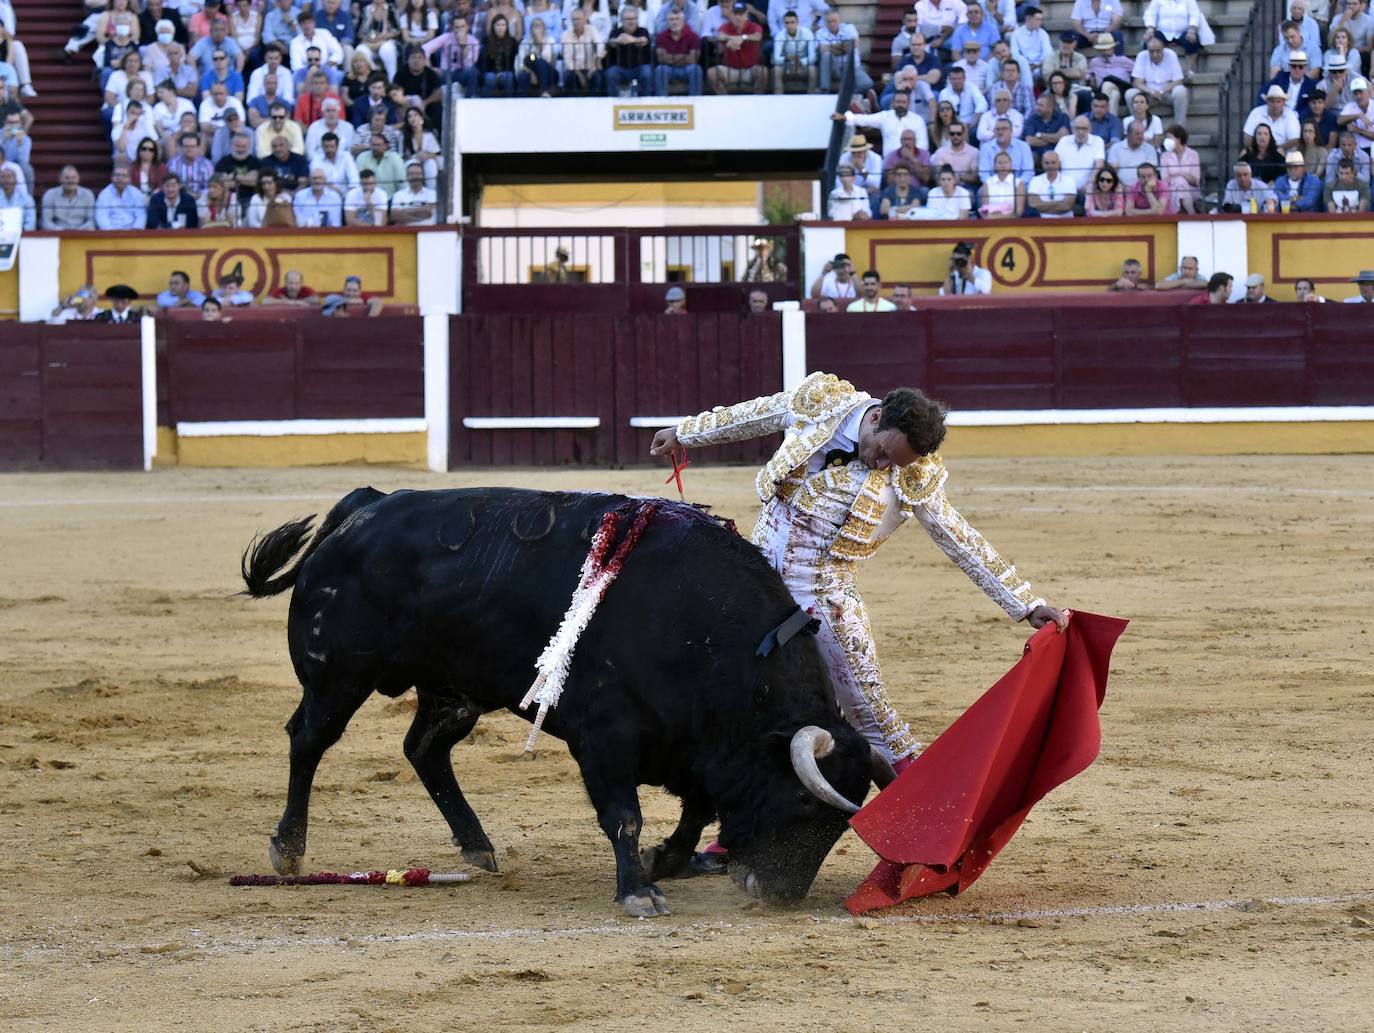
pixel 1042 615
pixel 665 442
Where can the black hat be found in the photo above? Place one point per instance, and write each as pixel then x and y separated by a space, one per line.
pixel 963 249
pixel 1068 37
pixel 121 292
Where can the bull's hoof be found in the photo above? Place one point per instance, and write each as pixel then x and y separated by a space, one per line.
pixel 662 862
pixel 647 903
pixel 283 862
pixel 484 859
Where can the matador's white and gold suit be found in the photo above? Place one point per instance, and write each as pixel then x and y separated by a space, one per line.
pixel 818 521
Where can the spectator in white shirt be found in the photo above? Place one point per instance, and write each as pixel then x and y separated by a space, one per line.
pixel 937 19
pixel 273 56
pixel 794 54
pixel 331 50
pixel 330 123
pixel 414 204
pixel 969 102
pixel 1158 75
pixel 365 204
pixel 318 204
pixel 1275 114
pixel 213 107
pixel 892 122
pixel 1052 193
pixel 339 168
pixel 1081 153
pixel 848 200
pixel 1180 24
pixel 808 12
pixel 1031 43
pixel 1001 108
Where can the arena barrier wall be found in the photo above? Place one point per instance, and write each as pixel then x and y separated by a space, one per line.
pixel 74 398
pixel 538 390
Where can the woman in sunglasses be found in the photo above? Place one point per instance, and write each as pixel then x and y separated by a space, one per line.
pixel 1105 197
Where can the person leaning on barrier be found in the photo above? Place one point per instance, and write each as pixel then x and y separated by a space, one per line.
pixel 1218 291
pixel 1305 290
pixel 1186 278
pixel 870 298
pixel 675 300
pixel 121 309
pixel 758 301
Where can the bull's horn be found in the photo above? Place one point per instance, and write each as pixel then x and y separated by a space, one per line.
pixel 881 769
pixel 809 744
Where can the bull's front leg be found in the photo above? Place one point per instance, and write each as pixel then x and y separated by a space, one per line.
pixel 616 799
pixel 671 857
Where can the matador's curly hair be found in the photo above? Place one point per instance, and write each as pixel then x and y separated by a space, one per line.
pixel 920 419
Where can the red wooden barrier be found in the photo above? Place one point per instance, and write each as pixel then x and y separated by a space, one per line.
pixel 290 368
pixel 610 367
pixel 71 397
pixel 1104 358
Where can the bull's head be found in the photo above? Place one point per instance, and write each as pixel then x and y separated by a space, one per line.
pixel 787 813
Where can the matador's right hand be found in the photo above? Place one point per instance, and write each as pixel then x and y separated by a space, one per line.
pixel 665 442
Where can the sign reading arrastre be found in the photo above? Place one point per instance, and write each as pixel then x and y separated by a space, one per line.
pixel 659 116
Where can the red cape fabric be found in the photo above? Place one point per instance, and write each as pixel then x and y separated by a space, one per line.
pixel 940 824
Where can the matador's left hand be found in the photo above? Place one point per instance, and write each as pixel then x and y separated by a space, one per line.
pixel 1042 615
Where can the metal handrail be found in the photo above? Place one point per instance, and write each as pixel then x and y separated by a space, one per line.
pixel 1249 70
pixel 836 144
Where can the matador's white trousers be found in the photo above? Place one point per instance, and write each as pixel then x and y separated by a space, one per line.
pixel 798 547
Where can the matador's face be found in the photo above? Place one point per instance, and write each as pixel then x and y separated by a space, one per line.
pixel 882 449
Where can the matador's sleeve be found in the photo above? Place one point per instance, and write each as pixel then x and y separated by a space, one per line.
pixel 726 423
pixel 921 490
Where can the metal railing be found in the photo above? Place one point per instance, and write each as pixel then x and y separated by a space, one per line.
pixel 1239 89
pixel 835 147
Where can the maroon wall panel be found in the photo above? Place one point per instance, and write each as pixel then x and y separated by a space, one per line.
pixel 1107 362
pixel 1239 353
pixel 877 353
pixel 361 368
pixel 984 360
pixel 217 371
pixel 92 397
pixel 1341 358
pixel 21 396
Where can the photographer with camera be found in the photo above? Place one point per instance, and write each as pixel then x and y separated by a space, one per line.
pixel 964 277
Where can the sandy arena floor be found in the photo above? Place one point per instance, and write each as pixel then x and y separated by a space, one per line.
pixel 1212 871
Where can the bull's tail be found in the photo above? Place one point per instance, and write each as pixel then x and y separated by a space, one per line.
pixel 267 554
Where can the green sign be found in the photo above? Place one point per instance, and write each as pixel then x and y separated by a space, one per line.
pixel 650 141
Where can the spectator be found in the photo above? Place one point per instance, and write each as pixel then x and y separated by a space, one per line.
pixel 1032 43
pixel 868 168
pixel 419 144
pixel 15 146
pixel 1311 32
pixel 1105 126
pixel 808 12
pixel 975 29
pixel 365 204
pixel 1343 48
pixel 902 300
pixel 836 279
pixel 167 112
pixel 946 200
pixel 189 166
pixel 1093 19
pixel 837 43
pixel 758 297
pixel 1186 278
pixel 130 70
pixel 870 298
pixel 1127 155
pixel 310 35
pixel 310 104
pixel 271 207
pixel 583 50
pixel 14 195
pixel 290 168
pixel 150 20
pixel 996 67
pixel 69 206
pixel 1346 149
pixel 849 199
pixel 340 171
pixel 1046 126
pixel 1152 129
pixel 415 204
pixel 1364 279
pixel 214 107
pixel 199 21
pixel 1129 280
pixel 1290 43
pixel 211 311
pixel 1349 194
pixel 425 88
pixel 966 99
pixel 171 208
pixel 419 24
pixel 1218 291
pixel 675 298
pixel 737 43
pixel 1296 84
pixel 121 309
pixel 1022 95
pixel 1052 194
pixel 764 267
pixel 1147 195
pixel 274 54
pixel 377 35
pixel 937 21
pixel 280 25
pixel 1324 130
pixel 1157 74
pixel 260 107
pixel 1181 169
pixel 1004 196
pixel 976 69
pixel 182 73
pixel 1265 160
pixel 1244 193
pixel 678 50
pixel 278 124
pixel 1358 116
pixel 376 126
pixel 80 308
pixel 1254 291
pixel 1109 74
pixel 222 71
pixel 241 166
pixel 1080 153
pixel 1003 141
pixel 1068 63
pixel 179 293
pixel 944 118
pixel 202 52
pixel 1298 190
pixel 224 135
pixel 1179 23
pixel 120 206
pixel 965 277
pixel 1305 290
pixel 1001 110
pixel 917 161
pixel 827 305
pixel 218 208
pixel 133 127
pixel 230 291
pixel 898 199
pixel 921 99
pixel 331 123
pixel 892 124
pixel 385 163
pixel 319 204
pixel 293 293
pixel 1274 113
pixel 1336 86
pixel 245 26
pixel 795 53
pixel 1106 198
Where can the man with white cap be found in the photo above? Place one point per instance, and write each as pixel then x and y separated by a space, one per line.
pixel 1298 190
pixel 1295 82
pixel 1358 116
pixel 1365 280
pixel 1337 83
pixel 1254 291
pixel 1275 114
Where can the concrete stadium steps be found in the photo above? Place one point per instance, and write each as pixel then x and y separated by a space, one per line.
pixel 67 127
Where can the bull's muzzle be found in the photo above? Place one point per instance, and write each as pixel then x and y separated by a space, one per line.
pixel 809 745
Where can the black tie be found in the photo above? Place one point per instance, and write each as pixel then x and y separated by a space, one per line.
pixel 839 457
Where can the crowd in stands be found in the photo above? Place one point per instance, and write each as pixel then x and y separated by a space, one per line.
pixel 987 117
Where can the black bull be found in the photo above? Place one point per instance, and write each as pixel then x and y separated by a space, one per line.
pixel 457 592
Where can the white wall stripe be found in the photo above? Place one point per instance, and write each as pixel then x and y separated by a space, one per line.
pixel 292 428
pixel 531 422
pixel 148 370
pixel 436 388
pixel 1239 414
pixel 655 421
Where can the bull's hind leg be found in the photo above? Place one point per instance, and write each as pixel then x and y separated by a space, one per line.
pixel 316 725
pixel 616 798
pixel 671 857
pixel 443 719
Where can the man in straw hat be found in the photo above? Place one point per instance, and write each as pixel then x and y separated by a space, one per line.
pixel 868 167
pixel 1296 84
pixel 1109 72
pixel 1275 114
pixel 1365 279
